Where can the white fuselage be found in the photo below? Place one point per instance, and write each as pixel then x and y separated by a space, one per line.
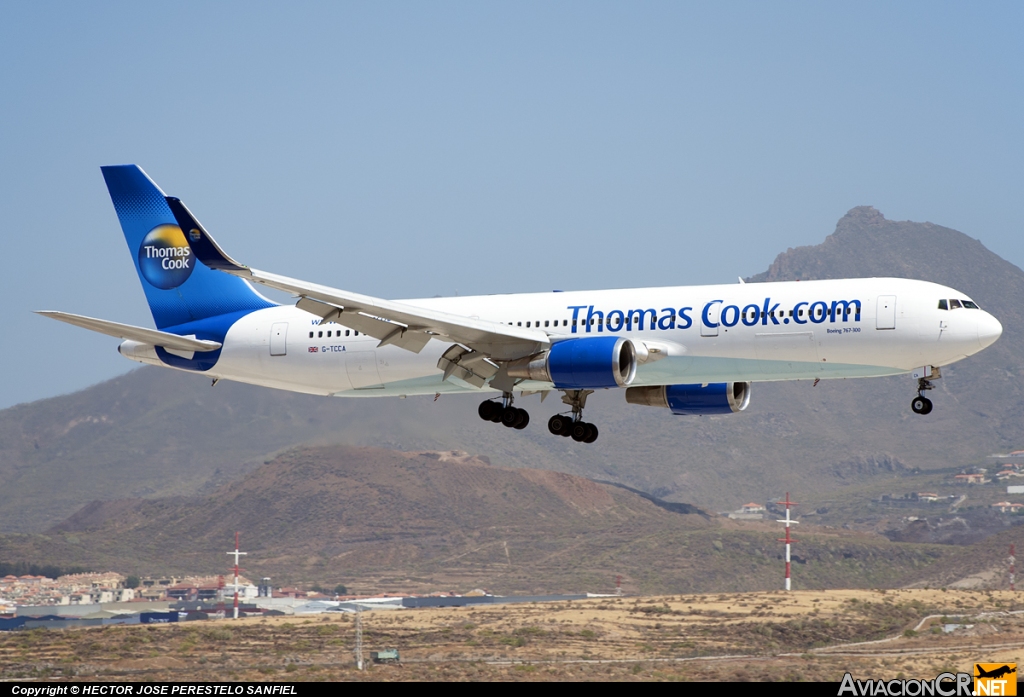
pixel 706 334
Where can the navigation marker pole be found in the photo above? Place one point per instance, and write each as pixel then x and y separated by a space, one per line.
pixel 359 637
pixel 1012 560
pixel 788 540
pixel 236 554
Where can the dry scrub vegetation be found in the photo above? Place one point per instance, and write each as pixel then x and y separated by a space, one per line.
pixel 803 635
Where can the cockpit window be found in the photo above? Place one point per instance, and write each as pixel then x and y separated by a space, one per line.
pixel 970 305
pixel 943 305
pixel 954 304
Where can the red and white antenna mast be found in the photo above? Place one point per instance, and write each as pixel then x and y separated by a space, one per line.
pixel 236 554
pixel 788 540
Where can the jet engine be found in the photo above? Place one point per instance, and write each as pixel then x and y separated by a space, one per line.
pixel 713 398
pixel 574 364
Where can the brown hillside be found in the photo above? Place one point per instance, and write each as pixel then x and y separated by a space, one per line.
pixel 383 520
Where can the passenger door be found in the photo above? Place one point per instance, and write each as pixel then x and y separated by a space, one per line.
pixel 885 315
pixel 361 367
pixel 714 315
pixel 279 339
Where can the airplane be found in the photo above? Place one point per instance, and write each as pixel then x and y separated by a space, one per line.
pixel 994 673
pixel 694 350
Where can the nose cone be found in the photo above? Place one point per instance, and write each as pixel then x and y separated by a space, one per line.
pixel 989 329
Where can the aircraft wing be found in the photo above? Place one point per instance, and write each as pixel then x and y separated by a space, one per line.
pixel 403 325
pixel 127 331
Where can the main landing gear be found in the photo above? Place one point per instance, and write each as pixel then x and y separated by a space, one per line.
pixel 921 404
pixel 574 426
pixel 568 425
pixel 504 413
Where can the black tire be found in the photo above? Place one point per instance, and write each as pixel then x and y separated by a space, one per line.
pixel 591 433
pixel 921 405
pixel 579 431
pixel 523 421
pixel 509 417
pixel 556 424
pixel 499 411
pixel 486 409
pixel 927 406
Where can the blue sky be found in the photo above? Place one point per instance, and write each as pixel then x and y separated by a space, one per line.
pixel 420 149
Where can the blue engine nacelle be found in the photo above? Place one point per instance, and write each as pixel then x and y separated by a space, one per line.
pixel 575 364
pixel 713 398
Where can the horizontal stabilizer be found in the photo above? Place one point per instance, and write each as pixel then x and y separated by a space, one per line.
pixel 127 331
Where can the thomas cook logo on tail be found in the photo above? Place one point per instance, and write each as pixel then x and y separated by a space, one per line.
pixel 165 259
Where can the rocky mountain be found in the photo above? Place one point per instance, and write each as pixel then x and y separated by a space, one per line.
pixel 158 433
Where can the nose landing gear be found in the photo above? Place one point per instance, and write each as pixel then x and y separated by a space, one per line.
pixel 920 403
pixel 504 413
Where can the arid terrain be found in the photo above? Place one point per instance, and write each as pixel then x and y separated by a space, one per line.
pixel 803 635
pixel 384 521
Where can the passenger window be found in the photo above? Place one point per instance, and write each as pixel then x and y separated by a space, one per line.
pixel 546 322
pixel 565 323
pixel 954 305
pixel 311 335
pixel 943 305
pixel 527 324
pixel 801 313
pixel 347 331
pixel 320 335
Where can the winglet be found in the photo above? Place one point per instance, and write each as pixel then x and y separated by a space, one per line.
pixel 203 245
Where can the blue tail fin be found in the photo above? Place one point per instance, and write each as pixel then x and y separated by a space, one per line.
pixel 178 287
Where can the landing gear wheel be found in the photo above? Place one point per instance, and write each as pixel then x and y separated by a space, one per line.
pixel 486 409
pixel 509 417
pixel 498 412
pixel 557 424
pixel 591 434
pixel 921 405
pixel 523 421
pixel 579 431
